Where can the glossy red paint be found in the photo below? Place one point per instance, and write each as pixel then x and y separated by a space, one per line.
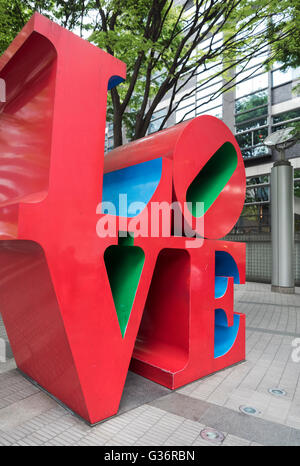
pixel 190 145
pixel 175 344
pixel 57 303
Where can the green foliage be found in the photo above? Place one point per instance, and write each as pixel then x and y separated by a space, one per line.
pixel 161 45
pixel 129 41
pixel 13 16
pixel 287 51
pixel 295 129
pixel 247 27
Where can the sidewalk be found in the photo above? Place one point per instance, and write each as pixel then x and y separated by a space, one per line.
pixel 206 412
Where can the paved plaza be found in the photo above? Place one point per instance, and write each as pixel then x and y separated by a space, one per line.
pixel 232 407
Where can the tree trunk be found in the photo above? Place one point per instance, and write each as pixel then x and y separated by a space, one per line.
pixel 118 136
pixel 139 131
pixel 118 116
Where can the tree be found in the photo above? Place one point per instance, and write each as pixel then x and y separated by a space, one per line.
pixel 287 50
pixel 13 16
pixel 163 47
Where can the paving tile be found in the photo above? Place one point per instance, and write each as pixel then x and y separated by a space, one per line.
pixel 183 405
pixel 294 439
pixel 248 427
pixel 153 415
pixel 233 440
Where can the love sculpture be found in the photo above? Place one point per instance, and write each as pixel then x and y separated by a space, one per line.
pixel 80 308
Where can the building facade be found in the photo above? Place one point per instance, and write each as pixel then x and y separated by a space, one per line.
pixel 259 104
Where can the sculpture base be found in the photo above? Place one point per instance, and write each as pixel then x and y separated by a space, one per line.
pixel 283 289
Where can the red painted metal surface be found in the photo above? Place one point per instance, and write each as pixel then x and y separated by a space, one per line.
pixel 175 344
pixel 56 298
pixel 190 145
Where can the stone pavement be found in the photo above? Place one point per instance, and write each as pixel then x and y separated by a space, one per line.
pixel 206 412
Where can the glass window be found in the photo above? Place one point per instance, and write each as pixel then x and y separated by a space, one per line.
pixel 251 101
pixel 205 92
pixel 255 61
pixel 213 42
pixel 297 173
pixel 247 153
pixel 159 113
pixel 297 194
pixel 290 115
pixel 258 194
pixel 278 127
pixel 186 109
pixel 154 126
pixel 251 124
pixel 110 129
pixel 280 77
pixel 258 151
pixel 216 112
pixel 210 69
pixel 297 188
pixel 109 143
pixel 186 102
pixel 258 180
pixel 259 136
pixel 109 137
pixel 251 143
pixel 251 85
pixel 252 114
pixel 244 140
pixel 203 105
pixel 189 13
pixel 210 73
pixel 297 223
pixel 156 120
pixel 295 73
pixel 185 113
pixel 255 219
